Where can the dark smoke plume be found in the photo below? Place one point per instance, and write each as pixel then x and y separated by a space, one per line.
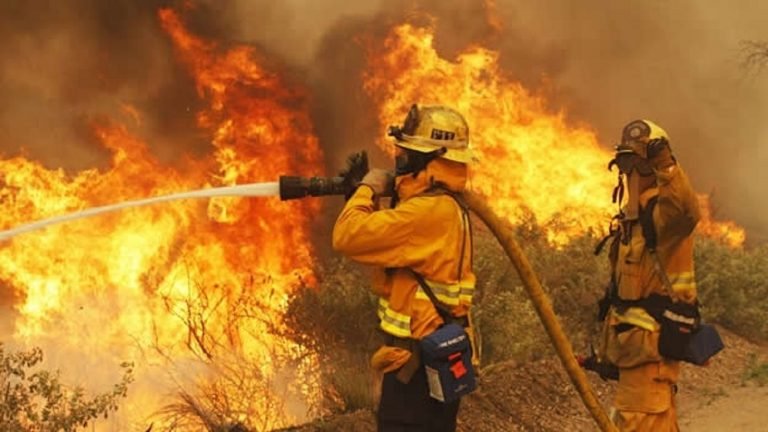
pixel 66 64
pixel 679 64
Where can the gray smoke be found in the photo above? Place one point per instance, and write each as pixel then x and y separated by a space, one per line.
pixel 66 64
pixel 677 63
pixel 605 63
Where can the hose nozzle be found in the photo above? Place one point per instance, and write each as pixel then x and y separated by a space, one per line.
pixel 293 187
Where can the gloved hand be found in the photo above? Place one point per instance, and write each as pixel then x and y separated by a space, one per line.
pixel 381 181
pixel 660 154
pixel 357 168
pixel 606 371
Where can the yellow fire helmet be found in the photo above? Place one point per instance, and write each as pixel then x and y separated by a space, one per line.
pixel 430 128
pixel 636 136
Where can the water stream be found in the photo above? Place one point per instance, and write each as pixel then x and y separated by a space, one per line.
pixel 244 190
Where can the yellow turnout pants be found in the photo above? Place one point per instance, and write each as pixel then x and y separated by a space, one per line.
pixel 644 400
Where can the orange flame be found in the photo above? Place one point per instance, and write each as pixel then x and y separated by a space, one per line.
pixel 184 286
pixel 530 158
pixel 727 232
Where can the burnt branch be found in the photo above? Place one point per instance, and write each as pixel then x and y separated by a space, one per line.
pixel 755 55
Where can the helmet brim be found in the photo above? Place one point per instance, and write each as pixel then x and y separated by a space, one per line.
pixel 464 155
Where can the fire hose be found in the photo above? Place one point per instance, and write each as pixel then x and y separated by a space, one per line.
pixel 543 306
pixel 299 187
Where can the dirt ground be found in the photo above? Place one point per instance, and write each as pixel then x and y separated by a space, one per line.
pixel 538 397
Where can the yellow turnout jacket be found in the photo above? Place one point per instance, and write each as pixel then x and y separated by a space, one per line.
pixel 428 232
pixel 644 384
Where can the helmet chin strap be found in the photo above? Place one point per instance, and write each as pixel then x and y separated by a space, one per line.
pixel 618 192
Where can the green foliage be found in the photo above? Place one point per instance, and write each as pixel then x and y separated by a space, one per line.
pixel 756 371
pixel 733 287
pixel 33 399
pixel 573 277
pixel 510 328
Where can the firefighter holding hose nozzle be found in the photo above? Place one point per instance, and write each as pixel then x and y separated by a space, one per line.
pixel 422 247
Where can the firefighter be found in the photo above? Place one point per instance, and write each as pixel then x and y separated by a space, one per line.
pixel 427 230
pixel 652 272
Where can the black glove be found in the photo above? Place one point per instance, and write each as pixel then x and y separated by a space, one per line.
pixel 660 153
pixel 607 371
pixel 357 168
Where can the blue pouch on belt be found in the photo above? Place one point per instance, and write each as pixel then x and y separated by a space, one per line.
pixel 447 357
pixel 704 344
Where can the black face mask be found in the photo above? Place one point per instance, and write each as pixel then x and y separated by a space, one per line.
pixel 413 162
pixel 402 164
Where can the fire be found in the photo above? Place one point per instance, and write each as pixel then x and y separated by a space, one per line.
pixel 530 160
pixel 192 291
pixel 185 290
pixel 726 231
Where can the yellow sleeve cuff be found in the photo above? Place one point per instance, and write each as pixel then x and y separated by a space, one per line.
pixel 364 191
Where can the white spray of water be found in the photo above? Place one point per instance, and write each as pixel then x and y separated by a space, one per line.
pixel 244 190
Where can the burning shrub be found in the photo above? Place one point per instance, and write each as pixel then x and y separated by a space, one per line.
pixel 235 397
pixel 338 320
pixel 36 400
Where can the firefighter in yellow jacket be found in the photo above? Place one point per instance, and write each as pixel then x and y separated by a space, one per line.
pixel 427 230
pixel 652 265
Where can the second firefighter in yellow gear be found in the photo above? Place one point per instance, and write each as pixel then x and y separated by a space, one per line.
pixel 660 193
pixel 427 231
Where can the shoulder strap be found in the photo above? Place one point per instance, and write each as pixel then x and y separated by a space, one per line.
pixel 651 241
pixel 647 225
pixel 441 308
pixel 612 289
pixel 444 313
pixel 466 223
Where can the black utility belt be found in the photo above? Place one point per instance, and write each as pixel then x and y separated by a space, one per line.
pixel 408 344
pixel 682 335
pixel 654 304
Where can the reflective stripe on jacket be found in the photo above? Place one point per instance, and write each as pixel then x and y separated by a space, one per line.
pixel 425 232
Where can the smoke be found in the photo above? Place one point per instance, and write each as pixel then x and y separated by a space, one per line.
pixel 679 64
pixel 67 63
